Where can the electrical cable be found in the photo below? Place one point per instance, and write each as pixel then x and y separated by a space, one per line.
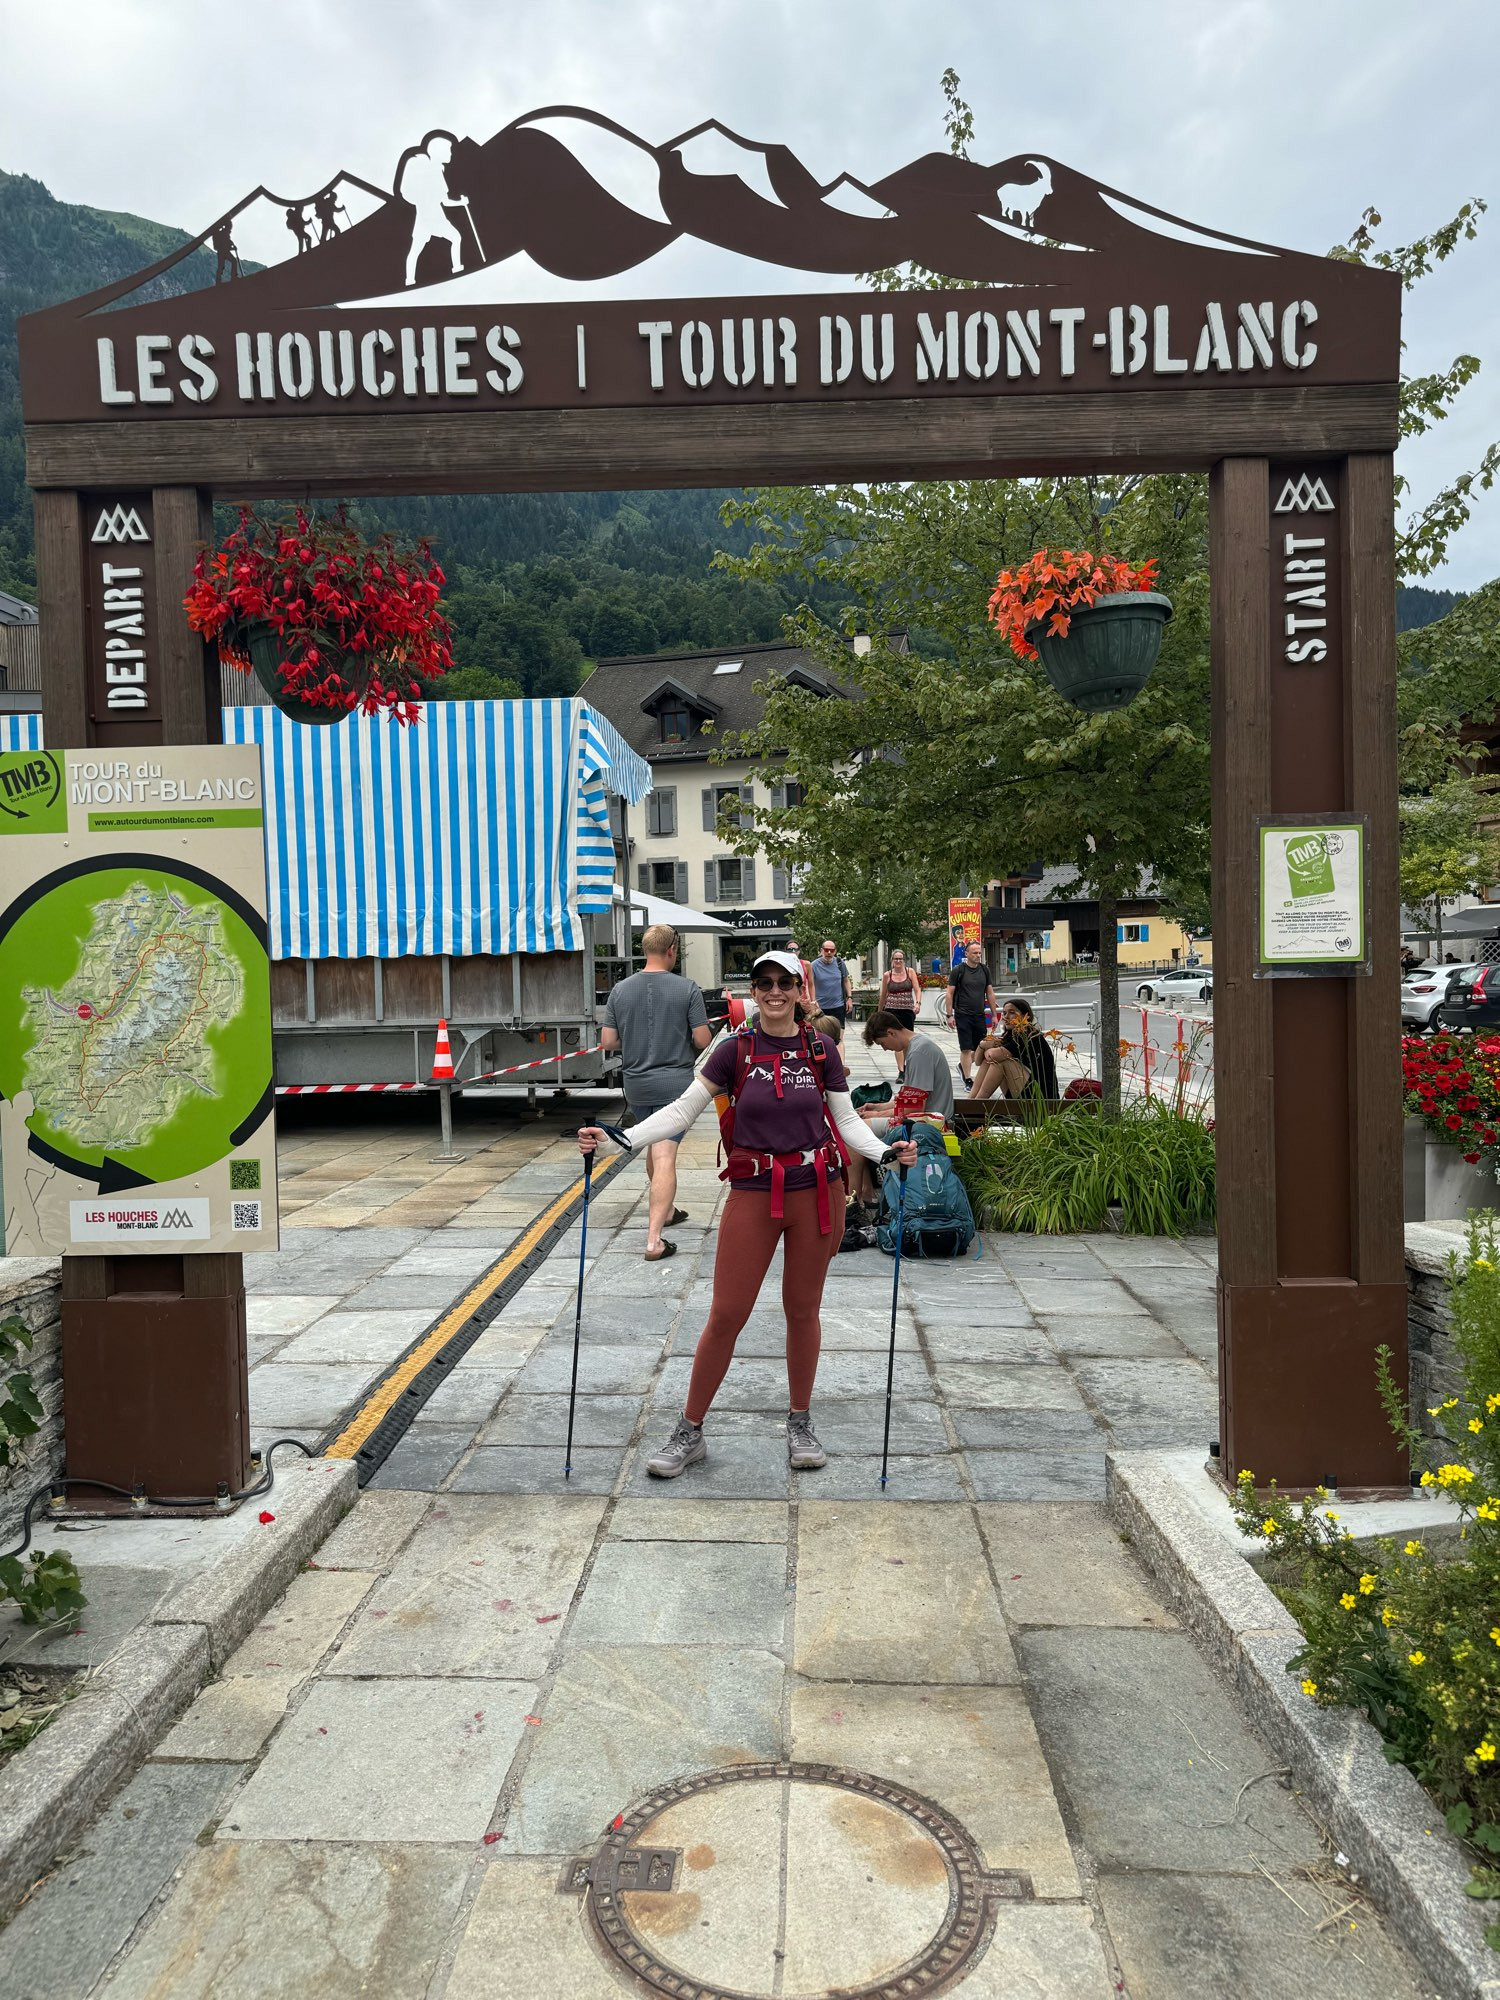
pixel 215 1500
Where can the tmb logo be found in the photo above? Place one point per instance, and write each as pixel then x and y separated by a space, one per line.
pixel 176 1218
pixel 1304 495
pixel 31 792
pixel 119 524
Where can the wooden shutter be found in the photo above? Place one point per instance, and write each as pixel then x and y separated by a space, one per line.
pixel 778 796
pixel 709 818
pixel 781 885
pixel 668 810
pixel 682 880
pixel 747 798
pixel 747 880
pixel 643 880
pixel 710 887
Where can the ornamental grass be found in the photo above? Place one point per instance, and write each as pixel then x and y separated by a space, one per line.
pixel 1066 1171
pixel 1406 1632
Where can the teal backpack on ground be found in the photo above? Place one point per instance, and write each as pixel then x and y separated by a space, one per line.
pixel 938 1219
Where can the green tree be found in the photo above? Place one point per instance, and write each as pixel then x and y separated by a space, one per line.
pixel 1447 848
pixel 861 904
pixel 964 759
pixel 474 684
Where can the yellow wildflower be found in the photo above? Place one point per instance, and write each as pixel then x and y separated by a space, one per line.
pixel 1451 1404
pixel 1455 1475
pixel 1495 1634
pixel 1491 1403
pixel 1418 1658
pixel 1309 1687
pixel 1475 1425
pixel 1427 1479
pixel 1488 1510
pixel 1331 1515
pixel 1269 1525
pixel 1414 1548
pixel 1388 1615
pixel 1348 1601
pixel 1366 1584
pixel 1246 1477
pixel 1485 1751
pixel 1480 1263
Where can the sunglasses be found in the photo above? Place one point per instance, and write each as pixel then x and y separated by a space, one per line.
pixel 783 984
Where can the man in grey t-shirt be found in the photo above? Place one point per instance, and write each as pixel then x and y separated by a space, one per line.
pixel 658 1022
pixel 926 1070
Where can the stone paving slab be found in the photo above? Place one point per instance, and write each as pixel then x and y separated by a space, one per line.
pixel 382 1760
pixel 57 1948
pixel 366 1337
pixel 1032 1385
pixel 533 1420
pixel 538 1469
pixel 522 1939
pixel 423 1459
pixel 255 1919
pixel 1068 1565
pixel 684 1593
pixel 621 1720
pixel 120 1598
pixel 1037 1475
pixel 701 1521
pixel 899 1593
pixel 1152 1755
pixel 738 1467
pixel 1060 1432
pixel 1185 1935
pixel 372 1535
pixel 1152 1403
pixel 1134 1337
pixel 972 1750
pixel 480 1589
pixel 232 1719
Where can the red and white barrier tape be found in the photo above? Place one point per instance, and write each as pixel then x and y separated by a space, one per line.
pixel 485 1076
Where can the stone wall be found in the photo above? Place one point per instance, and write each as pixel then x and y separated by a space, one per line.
pixel 31 1290
pixel 1435 1371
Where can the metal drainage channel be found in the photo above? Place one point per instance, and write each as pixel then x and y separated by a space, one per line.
pixel 370 1431
pixel 620 1866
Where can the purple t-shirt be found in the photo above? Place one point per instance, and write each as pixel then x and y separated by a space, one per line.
pixel 766 1123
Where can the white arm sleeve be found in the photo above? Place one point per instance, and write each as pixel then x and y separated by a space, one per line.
pixel 852 1129
pixel 674 1118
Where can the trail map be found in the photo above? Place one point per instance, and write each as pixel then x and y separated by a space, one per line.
pixel 123 1045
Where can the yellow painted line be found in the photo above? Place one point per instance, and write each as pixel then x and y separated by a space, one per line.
pixel 388 1392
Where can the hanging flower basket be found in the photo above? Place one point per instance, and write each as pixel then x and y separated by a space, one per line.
pixel 1105 657
pixel 327 621
pixel 1094 622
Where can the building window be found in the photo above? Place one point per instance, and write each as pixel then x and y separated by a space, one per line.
pixel 676 725
pixel 661 811
pixel 664 880
pixel 729 880
pixel 1134 933
pixel 1010 896
pixel 793 794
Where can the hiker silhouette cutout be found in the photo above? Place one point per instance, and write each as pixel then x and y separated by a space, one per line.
pixel 422 183
pixel 296 221
pixel 222 238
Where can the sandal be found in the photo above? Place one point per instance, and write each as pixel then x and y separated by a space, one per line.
pixel 679 1215
pixel 666 1250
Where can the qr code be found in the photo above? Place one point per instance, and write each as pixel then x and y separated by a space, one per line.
pixel 246 1215
pixel 244 1174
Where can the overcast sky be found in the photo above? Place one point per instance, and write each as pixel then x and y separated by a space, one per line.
pixel 1274 119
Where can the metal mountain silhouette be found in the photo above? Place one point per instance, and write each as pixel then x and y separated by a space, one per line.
pixel 528 190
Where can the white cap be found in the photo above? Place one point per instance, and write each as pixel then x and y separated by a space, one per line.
pixel 787 960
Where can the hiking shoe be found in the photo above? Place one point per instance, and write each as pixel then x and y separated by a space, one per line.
pixel 804 1453
pixel 683 1448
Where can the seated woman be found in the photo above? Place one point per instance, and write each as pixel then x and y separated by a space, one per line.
pixel 1017 1063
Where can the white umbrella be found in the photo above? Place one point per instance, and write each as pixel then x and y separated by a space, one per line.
pixel 645 909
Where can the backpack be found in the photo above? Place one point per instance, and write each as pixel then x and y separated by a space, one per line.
pixel 938 1220
pixel 741 1164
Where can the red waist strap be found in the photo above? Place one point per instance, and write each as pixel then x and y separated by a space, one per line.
pixel 744 1165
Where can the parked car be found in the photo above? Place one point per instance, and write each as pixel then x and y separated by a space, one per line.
pixel 1183 983
pixel 1423 990
pixel 1472 999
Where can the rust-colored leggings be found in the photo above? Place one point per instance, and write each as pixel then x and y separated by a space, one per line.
pixel 748 1236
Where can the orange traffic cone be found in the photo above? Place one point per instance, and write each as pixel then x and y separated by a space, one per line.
pixel 442 1056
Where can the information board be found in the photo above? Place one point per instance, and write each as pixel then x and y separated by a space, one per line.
pixel 136 1091
pixel 1312 894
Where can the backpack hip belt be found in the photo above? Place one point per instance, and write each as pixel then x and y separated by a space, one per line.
pixel 743 1165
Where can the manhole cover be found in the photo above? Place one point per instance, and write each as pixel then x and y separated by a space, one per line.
pixel 791 1880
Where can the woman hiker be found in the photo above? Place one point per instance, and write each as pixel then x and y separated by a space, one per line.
pixel 787 1088
pixel 900 995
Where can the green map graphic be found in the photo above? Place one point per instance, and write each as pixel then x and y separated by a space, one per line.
pixel 133 1008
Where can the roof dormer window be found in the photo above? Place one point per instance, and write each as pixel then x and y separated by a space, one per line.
pixel 676 724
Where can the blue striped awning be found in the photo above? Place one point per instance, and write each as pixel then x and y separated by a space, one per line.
pixel 20 732
pixel 482 827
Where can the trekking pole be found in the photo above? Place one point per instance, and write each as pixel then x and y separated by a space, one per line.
pixel 583 1245
pixel 890 1366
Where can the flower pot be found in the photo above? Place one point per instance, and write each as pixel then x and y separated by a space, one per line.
pixel 263 648
pixel 1452 1187
pixel 1105 657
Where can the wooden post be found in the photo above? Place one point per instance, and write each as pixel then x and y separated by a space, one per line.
pixel 155 1374
pixel 1311 1265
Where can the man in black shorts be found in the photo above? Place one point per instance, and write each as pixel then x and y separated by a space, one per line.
pixel 969 993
